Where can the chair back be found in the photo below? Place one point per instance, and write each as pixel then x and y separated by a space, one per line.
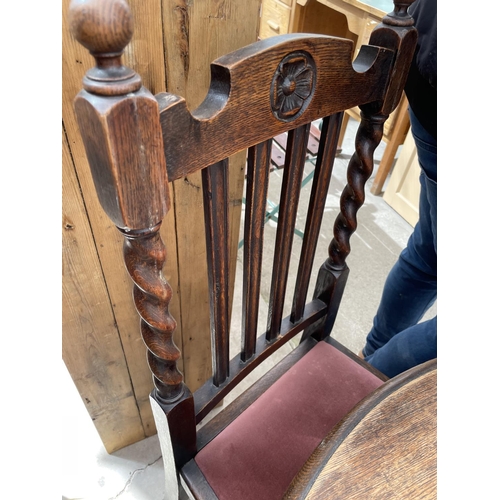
pixel 138 143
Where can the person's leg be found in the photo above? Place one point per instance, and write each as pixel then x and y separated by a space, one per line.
pixel 411 286
pixel 407 349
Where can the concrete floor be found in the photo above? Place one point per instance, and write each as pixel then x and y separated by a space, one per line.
pixel 136 472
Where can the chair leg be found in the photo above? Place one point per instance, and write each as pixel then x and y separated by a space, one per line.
pixel 167 451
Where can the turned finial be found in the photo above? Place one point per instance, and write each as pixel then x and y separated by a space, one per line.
pixel 104 28
pixel 399 16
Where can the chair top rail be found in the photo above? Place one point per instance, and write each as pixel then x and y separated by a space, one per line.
pixel 275 84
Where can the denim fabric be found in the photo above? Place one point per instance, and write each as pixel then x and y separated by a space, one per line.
pixel 398 340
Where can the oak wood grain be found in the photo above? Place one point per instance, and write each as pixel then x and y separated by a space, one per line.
pixel 386 447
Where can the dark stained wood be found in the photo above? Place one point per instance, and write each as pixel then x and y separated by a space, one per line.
pixel 240 404
pixel 221 131
pixel 333 274
pixel 289 201
pixel 196 482
pixel 137 144
pixel 322 173
pixel 215 200
pixel 255 213
pixel 396 31
pixel 358 460
pixel 208 396
pixel 144 258
pixel 330 285
pixel 119 124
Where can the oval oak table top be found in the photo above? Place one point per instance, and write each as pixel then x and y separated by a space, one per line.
pixel 384 448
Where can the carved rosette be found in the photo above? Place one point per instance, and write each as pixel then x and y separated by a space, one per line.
pixel 293 86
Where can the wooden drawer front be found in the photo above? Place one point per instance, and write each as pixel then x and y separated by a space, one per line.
pixel 274 19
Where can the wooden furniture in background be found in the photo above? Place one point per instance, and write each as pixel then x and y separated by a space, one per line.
pixel 403 190
pixel 386 448
pixel 275 17
pixel 355 20
pixel 139 145
pixel 173 44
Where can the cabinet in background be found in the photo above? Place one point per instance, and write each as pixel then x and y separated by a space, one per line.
pixel 350 19
pixel 275 17
pixel 403 188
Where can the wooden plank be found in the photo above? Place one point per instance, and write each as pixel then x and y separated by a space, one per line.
pixel 221 134
pixel 91 344
pixel 196 33
pixel 145 51
pixel 223 26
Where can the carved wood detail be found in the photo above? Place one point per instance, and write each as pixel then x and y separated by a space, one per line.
pixel 119 122
pixel 359 170
pixel 293 86
pixel 145 256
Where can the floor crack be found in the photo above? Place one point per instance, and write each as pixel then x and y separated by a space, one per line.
pixel 129 480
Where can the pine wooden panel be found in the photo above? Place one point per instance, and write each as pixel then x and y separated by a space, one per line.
pixel 178 39
pixel 275 19
pixel 403 189
pixel 147 47
pixel 91 343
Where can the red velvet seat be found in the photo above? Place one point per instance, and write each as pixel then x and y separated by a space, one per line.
pixel 259 453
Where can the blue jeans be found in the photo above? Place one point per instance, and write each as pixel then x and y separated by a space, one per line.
pixel 398 340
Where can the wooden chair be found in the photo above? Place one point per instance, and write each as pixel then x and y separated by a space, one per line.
pixel 137 143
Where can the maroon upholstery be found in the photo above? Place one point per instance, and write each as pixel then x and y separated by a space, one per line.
pixel 258 455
